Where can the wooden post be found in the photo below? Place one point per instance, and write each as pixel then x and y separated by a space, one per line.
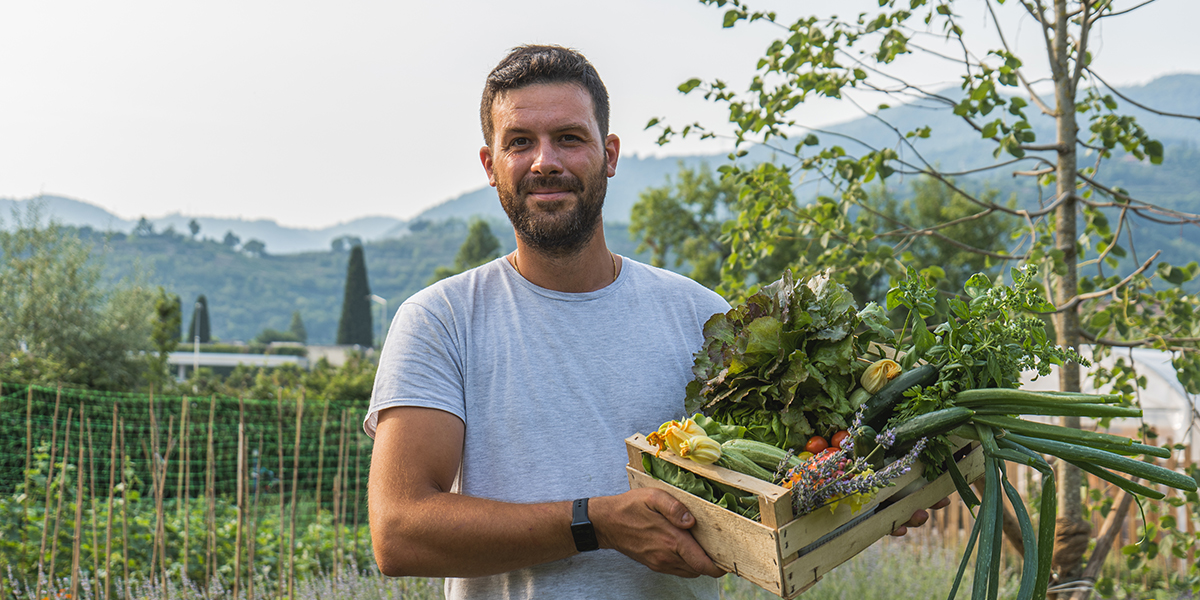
pixel 1172 463
pixel 321 456
pixel 77 544
pixel 279 447
pixel 49 480
pixel 92 486
pixel 124 515
pixel 62 481
pixel 241 507
pixel 183 452
pixel 185 466
pixel 295 482
pixel 161 533
pixel 254 515
pixel 112 465
pixel 210 569
pixel 357 455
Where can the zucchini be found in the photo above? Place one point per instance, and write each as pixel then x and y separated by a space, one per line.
pixel 931 424
pixel 985 396
pixel 1100 441
pixel 736 461
pixel 1102 458
pixel 878 409
pixel 1060 410
pixel 763 454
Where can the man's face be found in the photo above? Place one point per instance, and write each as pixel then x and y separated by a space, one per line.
pixel 549 165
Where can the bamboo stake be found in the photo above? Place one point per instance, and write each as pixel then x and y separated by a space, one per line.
pixel 185 465
pixel 241 507
pixel 183 446
pixel 62 476
pixel 92 484
pixel 344 493
pixel 337 496
pixel 1172 463
pixel 210 569
pixel 295 482
pixel 76 545
pixel 161 533
pixel 28 458
pixel 321 457
pixel 49 480
pixel 151 459
pixel 1191 523
pixel 357 481
pixel 254 514
pixel 124 515
pixel 112 463
pixel 279 447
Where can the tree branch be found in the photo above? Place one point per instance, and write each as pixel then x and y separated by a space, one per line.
pixel 1076 300
pixel 1104 15
pixel 1020 74
pixel 1140 342
pixel 1138 104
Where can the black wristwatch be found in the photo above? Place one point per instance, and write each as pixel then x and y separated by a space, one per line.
pixel 581 527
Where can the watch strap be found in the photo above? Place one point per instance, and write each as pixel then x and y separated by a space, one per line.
pixel 581 527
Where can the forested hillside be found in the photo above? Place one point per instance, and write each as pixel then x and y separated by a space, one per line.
pixel 247 293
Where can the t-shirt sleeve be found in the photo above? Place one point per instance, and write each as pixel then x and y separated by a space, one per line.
pixel 420 366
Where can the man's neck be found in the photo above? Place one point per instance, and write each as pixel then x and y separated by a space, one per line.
pixel 592 268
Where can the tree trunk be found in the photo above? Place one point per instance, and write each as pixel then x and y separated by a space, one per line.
pixel 1071 537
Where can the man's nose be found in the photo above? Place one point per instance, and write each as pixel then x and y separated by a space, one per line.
pixel 546 161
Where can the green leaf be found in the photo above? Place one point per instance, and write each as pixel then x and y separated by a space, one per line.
pixel 689 85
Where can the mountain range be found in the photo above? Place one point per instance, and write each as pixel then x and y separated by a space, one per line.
pixel 950 146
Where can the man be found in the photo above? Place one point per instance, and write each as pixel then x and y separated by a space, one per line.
pixel 505 393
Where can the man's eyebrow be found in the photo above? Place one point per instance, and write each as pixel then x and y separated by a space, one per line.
pixel 579 126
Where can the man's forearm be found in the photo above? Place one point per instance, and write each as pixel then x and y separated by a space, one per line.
pixel 451 535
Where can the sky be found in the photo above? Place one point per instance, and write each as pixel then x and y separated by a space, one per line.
pixel 313 113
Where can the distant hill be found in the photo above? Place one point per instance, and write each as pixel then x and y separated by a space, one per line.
pixel 279 239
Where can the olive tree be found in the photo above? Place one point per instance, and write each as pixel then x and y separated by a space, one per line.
pixel 1054 126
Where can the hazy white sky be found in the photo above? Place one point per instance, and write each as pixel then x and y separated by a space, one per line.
pixel 311 113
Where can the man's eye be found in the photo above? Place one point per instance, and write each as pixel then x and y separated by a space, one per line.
pixel 571 138
pixel 519 142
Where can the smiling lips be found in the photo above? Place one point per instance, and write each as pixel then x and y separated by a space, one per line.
pixel 550 188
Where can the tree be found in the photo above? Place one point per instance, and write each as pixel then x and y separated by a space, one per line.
pixel 144 228
pixel 1068 212
pixel 355 324
pixel 231 240
pixel 344 243
pixel 194 227
pixel 255 247
pixel 480 247
pixel 58 323
pixel 297 328
pixel 200 324
pixel 168 314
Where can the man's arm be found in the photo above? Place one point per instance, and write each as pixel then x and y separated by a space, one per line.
pixel 420 528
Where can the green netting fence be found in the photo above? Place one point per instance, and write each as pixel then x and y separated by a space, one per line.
pixel 125 488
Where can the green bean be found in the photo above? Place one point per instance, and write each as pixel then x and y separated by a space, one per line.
pixel 984 396
pixel 988 514
pixel 960 483
pixel 1052 432
pixel 962 565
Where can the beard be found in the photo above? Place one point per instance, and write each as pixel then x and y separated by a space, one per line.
pixel 558 229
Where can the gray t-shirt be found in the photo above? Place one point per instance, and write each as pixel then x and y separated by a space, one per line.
pixel 549 385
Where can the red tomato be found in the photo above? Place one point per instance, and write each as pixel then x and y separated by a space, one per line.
pixel 816 444
pixel 838 438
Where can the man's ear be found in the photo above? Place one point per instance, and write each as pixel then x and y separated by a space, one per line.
pixel 612 150
pixel 485 157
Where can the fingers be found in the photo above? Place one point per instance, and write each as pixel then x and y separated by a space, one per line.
pixel 943 503
pixel 651 527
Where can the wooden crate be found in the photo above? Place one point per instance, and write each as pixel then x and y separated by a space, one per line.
pixel 779 553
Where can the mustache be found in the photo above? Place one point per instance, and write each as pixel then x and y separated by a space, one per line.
pixel 565 183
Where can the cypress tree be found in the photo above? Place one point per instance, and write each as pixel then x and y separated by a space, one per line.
pixel 200 310
pixel 355 324
pixel 297 328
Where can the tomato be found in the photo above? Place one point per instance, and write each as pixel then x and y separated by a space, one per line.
pixel 816 444
pixel 838 438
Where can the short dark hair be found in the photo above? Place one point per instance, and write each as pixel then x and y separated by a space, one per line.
pixel 531 65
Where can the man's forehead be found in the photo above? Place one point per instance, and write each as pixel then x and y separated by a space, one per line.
pixel 536 96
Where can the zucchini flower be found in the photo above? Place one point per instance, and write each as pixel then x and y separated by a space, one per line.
pixel 878 374
pixel 701 449
pixel 673 434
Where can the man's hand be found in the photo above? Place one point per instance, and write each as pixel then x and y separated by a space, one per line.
pixel 650 526
pixel 920 517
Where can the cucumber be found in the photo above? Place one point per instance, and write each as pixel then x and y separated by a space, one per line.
pixel 878 409
pixel 931 424
pixel 763 454
pixel 736 461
